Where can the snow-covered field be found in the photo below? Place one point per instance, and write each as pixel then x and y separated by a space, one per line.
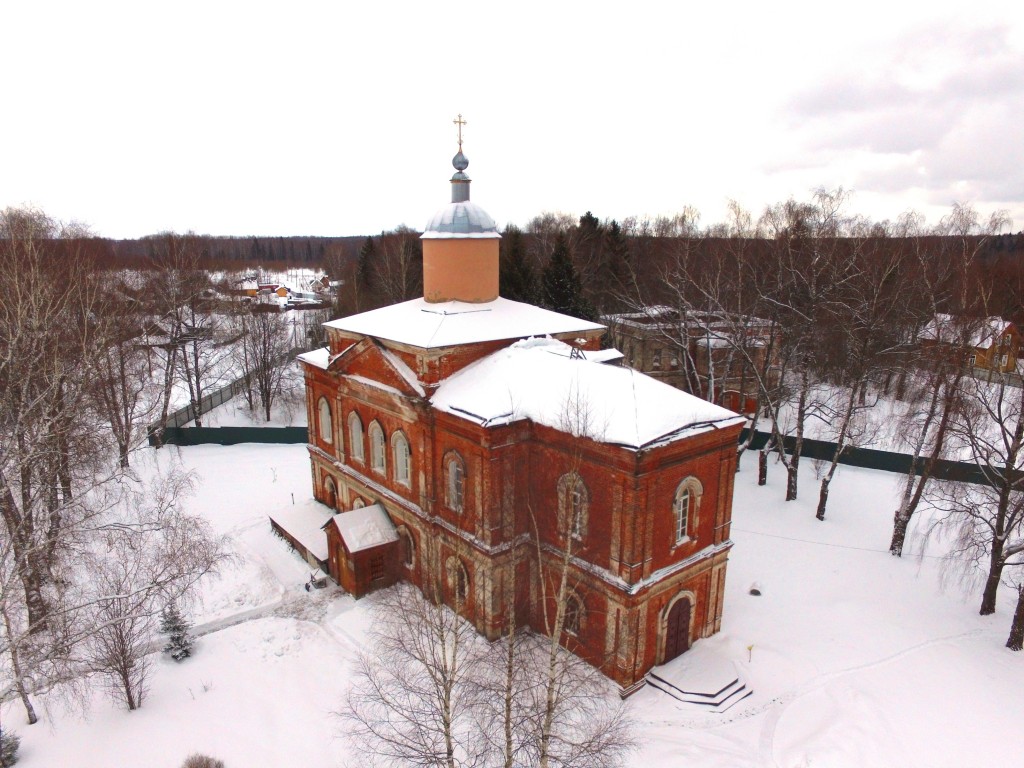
pixel 857 659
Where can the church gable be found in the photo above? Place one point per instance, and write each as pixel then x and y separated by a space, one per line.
pixel 371 361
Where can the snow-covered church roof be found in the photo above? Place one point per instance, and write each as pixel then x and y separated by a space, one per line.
pixel 534 379
pixel 423 324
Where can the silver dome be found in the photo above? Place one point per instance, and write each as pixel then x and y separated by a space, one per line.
pixel 461 219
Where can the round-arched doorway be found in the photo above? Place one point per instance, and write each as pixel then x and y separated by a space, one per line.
pixel 677 629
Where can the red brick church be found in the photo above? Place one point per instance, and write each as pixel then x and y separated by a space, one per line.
pixel 469 441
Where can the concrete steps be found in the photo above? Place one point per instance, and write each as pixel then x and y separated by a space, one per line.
pixel 719 701
pixel 701 679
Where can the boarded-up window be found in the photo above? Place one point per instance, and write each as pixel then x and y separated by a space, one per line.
pixel 377 568
pixel 573 505
pixel 325 422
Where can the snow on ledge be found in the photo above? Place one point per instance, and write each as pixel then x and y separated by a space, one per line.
pixel 319 358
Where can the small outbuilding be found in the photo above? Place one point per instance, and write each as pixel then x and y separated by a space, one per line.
pixel 363 550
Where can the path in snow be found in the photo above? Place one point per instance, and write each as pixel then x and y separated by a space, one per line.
pixel 777 707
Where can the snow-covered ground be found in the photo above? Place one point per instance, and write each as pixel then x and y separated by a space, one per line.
pixel 857 659
pixel 289 407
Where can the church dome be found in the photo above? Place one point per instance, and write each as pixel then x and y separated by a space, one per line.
pixel 461 219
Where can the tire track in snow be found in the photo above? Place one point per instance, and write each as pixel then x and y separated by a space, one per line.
pixel 779 705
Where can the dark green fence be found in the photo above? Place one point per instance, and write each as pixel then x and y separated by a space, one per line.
pixel 231 435
pixel 887 461
pixel 870 458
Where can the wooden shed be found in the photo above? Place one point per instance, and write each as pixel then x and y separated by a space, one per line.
pixel 302 527
pixel 363 550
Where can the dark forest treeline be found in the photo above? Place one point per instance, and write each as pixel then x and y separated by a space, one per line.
pixel 581 266
pixel 227 252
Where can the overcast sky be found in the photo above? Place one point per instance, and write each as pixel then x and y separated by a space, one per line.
pixel 335 118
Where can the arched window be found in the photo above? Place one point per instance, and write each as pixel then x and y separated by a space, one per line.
pixel 458 581
pixel 574 615
pixel 403 459
pixel 685 508
pixel 408 547
pixel 455 485
pixel 573 505
pixel 682 514
pixel 325 422
pixel 376 448
pixel 332 493
pixel 355 436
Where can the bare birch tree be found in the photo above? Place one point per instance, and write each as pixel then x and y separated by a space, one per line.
pixel 987 519
pixel 124 395
pixel 262 356
pixel 397 265
pixel 568 715
pixel 50 450
pixel 946 275
pixel 869 322
pixel 433 693
pixel 410 701
pixel 175 282
pixel 150 552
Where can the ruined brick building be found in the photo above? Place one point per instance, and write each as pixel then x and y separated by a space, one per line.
pixel 473 439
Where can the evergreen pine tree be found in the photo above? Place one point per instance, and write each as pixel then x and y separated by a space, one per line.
pixel 562 290
pixel 613 273
pixel 367 255
pixel 176 627
pixel 589 224
pixel 518 280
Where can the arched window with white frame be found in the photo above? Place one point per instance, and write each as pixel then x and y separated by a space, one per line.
pixel 455 482
pixel 685 509
pixel 325 423
pixel 355 436
pixel 402 458
pixel 377 453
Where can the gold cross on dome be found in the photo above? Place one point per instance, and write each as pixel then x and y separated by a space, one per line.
pixel 459 122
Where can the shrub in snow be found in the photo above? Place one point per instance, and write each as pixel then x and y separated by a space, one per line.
pixel 9 743
pixel 175 626
pixel 202 761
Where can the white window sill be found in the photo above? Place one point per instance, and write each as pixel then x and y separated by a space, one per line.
pixel 681 543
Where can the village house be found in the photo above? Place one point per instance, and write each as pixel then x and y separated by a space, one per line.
pixel 985 344
pixel 471 442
